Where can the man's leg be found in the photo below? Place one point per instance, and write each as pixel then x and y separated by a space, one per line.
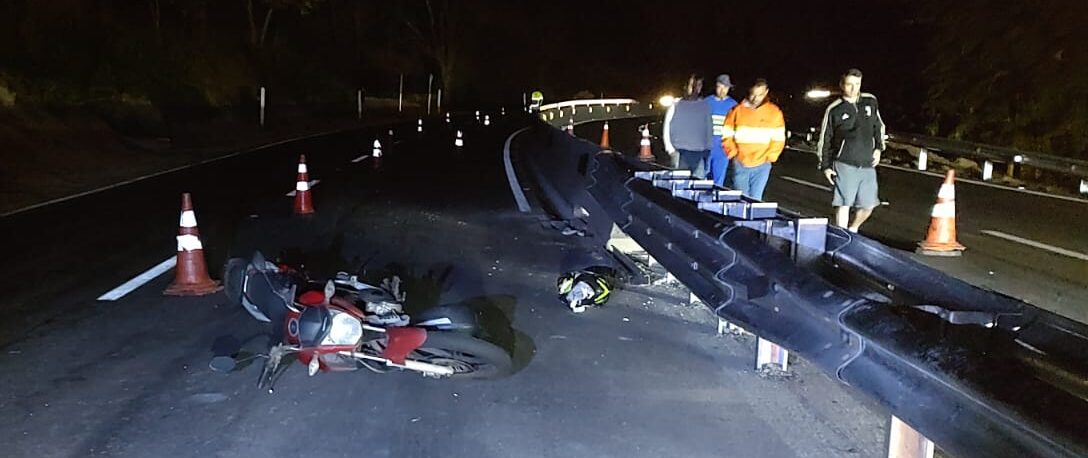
pixel 760 175
pixel 867 197
pixel 739 177
pixel 698 170
pixel 718 164
pixel 842 216
pixel 860 215
pixel 689 161
pixel 845 193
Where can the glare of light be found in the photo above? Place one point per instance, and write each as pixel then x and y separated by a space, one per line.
pixel 666 101
pixel 1018 158
pixel 817 94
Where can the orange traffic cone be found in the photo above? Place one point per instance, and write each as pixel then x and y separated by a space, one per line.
pixel 604 136
pixel 303 202
pixel 191 275
pixel 941 239
pixel 645 154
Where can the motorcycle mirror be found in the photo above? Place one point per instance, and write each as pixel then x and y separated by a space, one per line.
pixel 222 364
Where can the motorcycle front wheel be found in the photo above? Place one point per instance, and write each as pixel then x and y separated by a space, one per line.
pixel 469 357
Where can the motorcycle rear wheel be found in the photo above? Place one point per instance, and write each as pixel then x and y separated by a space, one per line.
pixel 469 357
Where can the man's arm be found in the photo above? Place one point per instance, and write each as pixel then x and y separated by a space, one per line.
pixel 729 133
pixel 778 137
pixel 709 126
pixel 665 137
pixel 827 132
pixel 879 130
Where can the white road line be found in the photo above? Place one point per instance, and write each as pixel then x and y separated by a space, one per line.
pixel 806 183
pixel 360 158
pixel 139 280
pixel 511 177
pixel 1040 245
pixel 312 184
pixel 175 169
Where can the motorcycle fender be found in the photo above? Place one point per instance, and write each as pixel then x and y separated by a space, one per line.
pixel 403 341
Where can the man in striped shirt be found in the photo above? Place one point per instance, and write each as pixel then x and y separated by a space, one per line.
pixel 753 137
pixel 851 140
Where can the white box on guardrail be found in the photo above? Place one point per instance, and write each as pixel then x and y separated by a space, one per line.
pixel 673 185
pixel 664 175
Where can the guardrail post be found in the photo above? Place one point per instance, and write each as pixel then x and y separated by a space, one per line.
pixel 262 106
pixel 987 170
pixel 359 103
pixel 1084 186
pixel 430 83
pixel 905 442
pixel 923 159
pixel 768 352
pixel 1010 169
pixel 809 243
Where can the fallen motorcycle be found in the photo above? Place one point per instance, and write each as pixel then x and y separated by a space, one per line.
pixel 343 324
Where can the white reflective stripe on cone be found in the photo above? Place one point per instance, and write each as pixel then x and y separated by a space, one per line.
pixel 302 186
pixel 302 168
pixel 189 243
pixel 188 219
pixel 944 210
pixel 947 192
pixel 644 142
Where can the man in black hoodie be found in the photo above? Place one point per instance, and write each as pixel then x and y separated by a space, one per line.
pixel 851 140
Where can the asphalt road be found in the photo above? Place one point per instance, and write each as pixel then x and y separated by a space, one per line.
pixel 643 376
pixel 1053 281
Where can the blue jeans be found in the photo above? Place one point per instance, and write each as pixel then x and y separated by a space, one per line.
pixel 751 181
pixel 717 164
pixel 694 161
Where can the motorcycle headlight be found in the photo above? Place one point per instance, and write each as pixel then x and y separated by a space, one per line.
pixel 345 330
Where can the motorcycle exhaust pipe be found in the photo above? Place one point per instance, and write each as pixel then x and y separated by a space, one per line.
pixel 426 368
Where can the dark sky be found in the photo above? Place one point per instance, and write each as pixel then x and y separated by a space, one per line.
pixel 646 48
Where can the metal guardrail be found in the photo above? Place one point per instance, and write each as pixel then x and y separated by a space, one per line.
pixel 586 102
pixel 990 155
pixel 979 373
pixel 999 154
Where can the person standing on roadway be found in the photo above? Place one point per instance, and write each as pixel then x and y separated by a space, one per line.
pixel 687 131
pixel 851 140
pixel 753 136
pixel 720 106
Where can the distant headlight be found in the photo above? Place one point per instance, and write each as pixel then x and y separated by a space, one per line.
pixel 666 101
pixel 345 330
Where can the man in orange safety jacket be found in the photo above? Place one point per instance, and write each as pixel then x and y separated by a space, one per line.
pixel 753 136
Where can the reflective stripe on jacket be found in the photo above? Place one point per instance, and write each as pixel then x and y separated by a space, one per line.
pixel 754 135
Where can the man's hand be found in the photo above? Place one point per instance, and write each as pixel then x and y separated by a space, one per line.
pixel 876 157
pixel 830 174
